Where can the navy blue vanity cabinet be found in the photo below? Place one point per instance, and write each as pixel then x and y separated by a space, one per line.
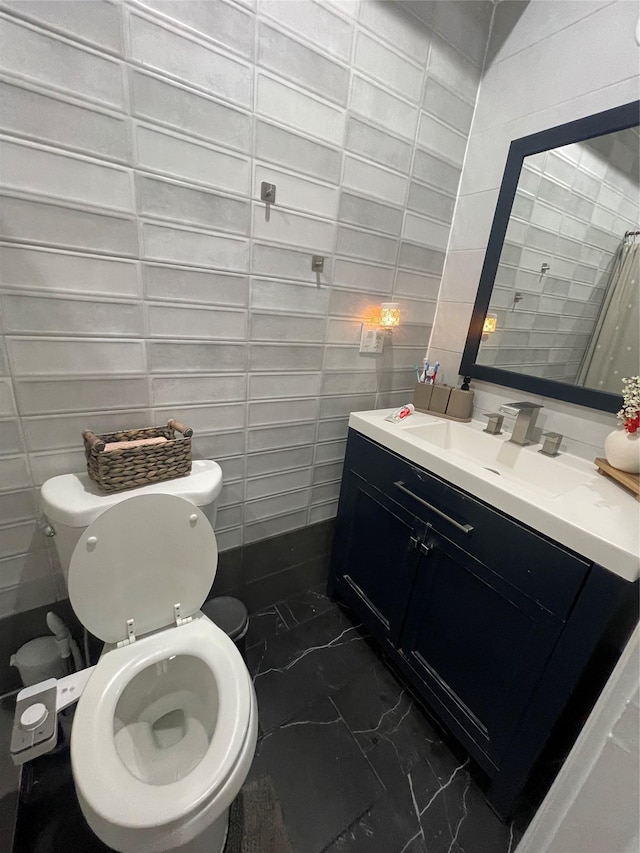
pixel 375 564
pixel 477 644
pixel 492 623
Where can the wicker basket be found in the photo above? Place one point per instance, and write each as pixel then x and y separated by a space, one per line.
pixel 116 470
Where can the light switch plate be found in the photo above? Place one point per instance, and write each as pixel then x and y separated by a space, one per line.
pixel 371 340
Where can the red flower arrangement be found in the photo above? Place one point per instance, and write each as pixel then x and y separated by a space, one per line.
pixel 630 411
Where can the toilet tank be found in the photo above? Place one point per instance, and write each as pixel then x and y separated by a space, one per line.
pixel 72 501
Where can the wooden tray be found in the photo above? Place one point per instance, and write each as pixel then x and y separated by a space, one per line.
pixel 629 481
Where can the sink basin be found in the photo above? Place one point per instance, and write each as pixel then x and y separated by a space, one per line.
pixel 502 458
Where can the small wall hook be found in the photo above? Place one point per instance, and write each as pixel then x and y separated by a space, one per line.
pixel 317 266
pixel 268 196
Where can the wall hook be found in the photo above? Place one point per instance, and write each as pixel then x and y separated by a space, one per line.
pixel 268 196
pixel 317 266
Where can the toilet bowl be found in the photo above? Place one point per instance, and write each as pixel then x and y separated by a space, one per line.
pixel 165 731
pixel 162 741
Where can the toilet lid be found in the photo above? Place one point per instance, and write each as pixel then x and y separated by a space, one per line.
pixel 137 561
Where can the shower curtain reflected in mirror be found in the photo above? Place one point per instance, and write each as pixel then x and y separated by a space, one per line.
pixel 613 351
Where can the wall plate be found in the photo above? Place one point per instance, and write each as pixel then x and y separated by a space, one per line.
pixel 371 340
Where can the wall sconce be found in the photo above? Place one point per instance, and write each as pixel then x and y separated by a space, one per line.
pixel 380 319
pixel 490 325
pixel 389 315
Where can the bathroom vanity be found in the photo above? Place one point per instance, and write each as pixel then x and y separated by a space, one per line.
pixel 488 576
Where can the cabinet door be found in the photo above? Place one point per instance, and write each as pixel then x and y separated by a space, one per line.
pixel 478 645
pixel 374 557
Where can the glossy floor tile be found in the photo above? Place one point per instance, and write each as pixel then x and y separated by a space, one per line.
pixel 323 690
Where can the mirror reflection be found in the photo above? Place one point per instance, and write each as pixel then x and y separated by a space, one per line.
pixel 564 304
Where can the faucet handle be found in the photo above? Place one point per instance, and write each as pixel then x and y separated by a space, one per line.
pixel 551 444
pixel 494 426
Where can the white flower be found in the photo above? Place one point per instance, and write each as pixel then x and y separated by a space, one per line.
pixel 630 398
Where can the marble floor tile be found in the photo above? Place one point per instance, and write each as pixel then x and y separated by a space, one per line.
pixel 303 606
pixel 381 829
pixel 380 711
pixel 306 663
pixel 264 624
pixel 322 780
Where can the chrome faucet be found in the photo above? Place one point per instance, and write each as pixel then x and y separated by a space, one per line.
pixel 526 416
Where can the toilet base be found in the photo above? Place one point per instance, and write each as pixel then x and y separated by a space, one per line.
pixel 212 840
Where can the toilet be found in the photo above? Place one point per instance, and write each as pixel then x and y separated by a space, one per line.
pixel 165 730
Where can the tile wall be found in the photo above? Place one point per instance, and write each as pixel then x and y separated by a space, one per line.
pixel 141 277
pixel 571 211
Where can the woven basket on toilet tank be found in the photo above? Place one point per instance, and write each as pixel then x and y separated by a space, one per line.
pixel 129 467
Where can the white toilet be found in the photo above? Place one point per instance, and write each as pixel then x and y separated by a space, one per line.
pixel 165 730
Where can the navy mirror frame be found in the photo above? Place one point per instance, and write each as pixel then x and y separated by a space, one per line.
pixel 618 118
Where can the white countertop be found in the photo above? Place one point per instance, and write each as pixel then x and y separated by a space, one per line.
pixel 598 519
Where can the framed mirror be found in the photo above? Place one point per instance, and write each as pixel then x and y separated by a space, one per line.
pixel 557 310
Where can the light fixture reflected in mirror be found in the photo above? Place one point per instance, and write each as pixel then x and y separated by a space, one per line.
pixel 489 326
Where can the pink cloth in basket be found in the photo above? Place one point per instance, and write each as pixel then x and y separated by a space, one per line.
pixel 124 445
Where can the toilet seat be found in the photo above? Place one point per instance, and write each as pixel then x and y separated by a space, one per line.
pixel 105 784
pixel 143 564
pixel 137 578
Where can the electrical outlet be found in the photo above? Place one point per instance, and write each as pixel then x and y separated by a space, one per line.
pixel 371 340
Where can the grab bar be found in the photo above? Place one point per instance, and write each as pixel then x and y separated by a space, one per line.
pixel 466 528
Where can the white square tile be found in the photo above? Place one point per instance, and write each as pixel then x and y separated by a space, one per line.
pixel 174 284
pixel 188 60
pixel 45 172
pixel 394 72
pixel 168 321
pixel 219 21
pixel 32 314
pixel 294 152
pixel 100 24
pixel 51 395
pixel 392 23
pixel 37 356
pixel 309 21
pixel 7 404
pixel 52 61
pixel 295 231
pixel 296 192
pixel 174 155
pixel 383 107
pixel 285 105
pixel 67 228
pixel 362 276
pixel 373 180
pixel 298 63
pixel 53 120
pixel 263 413
pixel 174 390
pixel 195 114
pixel 194 247
pixel 60 272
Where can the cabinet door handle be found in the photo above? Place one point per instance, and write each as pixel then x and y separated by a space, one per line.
pixel 466 528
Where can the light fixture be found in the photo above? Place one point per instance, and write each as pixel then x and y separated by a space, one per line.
pixel 389 314
pixel 490 324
